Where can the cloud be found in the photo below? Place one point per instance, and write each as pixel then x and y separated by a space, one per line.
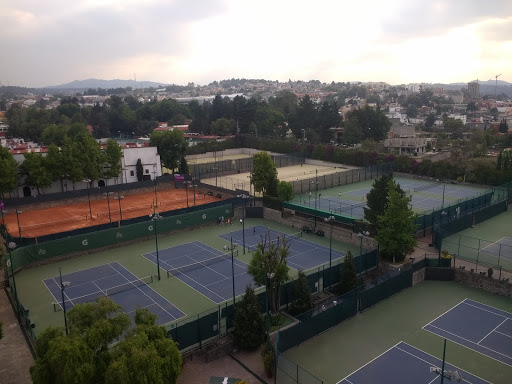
pixel 426 18
pixel 497 30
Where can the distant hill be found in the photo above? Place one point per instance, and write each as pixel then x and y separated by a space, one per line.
pixel 486 87
pixel 106 84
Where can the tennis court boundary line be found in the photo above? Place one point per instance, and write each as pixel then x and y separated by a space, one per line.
pixel 371 361
pixel 145 292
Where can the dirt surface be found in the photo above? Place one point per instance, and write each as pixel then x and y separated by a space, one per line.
pixel 44 221
pixel 15 356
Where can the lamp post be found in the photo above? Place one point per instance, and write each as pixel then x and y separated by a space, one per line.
pixel 361 235
pixel 268 278
pixel 10 246
pixel 216 168
pixel 443 214
pixel 330 220
pixel 154 179
pixel 244 197
pixel 194 186
pixel 64 285
pixel 155 217
pixel 108 204
pixel 119 201
pixel 18 212
pixel 88 181
pixel 186 190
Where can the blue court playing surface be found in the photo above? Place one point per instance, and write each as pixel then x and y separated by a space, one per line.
pixel 303 254
pixel 500 248
pixel 205 269
pixel 477 326
pixel 404 364
pixel 119 284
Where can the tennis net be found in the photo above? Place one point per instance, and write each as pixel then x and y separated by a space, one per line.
pixel 57 306
pixel 423 187
pixel 200 264
pixel 278 238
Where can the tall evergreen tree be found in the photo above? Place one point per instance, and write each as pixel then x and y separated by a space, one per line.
pixel 348 275
pixel 303 300
pixel 249 326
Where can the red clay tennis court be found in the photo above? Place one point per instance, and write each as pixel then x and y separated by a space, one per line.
pixel 55 219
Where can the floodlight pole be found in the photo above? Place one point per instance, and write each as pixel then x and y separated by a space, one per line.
pixel 63 285
pixel 155 217
pixel 88 181
pixel 442 366
pixel 18 220
pixel 156 197
pixel 186 190
pixel 11 246
pixel 268 278
pixel 233 272
pixel 194 194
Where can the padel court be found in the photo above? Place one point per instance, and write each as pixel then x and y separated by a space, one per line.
pixel 477 326
pixel 116 282
pixel 404 364
pixel 206 269
pixel 303 254
pixel 500 248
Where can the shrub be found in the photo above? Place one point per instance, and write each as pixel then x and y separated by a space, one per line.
pixel 445 254
pixel 490 271
pixel 268 357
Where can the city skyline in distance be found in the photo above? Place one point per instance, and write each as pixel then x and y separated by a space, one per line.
pixel 181 41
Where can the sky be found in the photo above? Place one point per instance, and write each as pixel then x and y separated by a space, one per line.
pixel 53 42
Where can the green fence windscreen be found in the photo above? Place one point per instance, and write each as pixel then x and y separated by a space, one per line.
pixel 95 240
pixel 317 212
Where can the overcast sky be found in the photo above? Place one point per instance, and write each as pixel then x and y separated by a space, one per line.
pixel 179 41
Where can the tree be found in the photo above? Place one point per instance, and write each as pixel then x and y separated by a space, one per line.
pixel 372 123
pixel 139 170
pixel 35 172
pixel 88 152
pixel 397 228
pixel 72 167
pixel 264 173
pixel 62 359
pixel 249 325
pixel 503 126
pixel 348 275
pixel 430 120
pixel 352 133
pixel 284 190
pixel 303 301
pixel 54 134
pixel 472 107
pixel 268 267
pixel 146 355
pixel 453 125
pixel 376 200
pixel 112 158
pixel 171 147
pixel 223 127
pixel 8 171
pixel 412 110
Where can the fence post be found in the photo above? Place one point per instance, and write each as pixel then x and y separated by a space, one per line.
pixel 477 255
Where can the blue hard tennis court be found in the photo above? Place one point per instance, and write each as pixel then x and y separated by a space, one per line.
pixel 404 364
pixel 206 269
pixel 500 248
pixel 477 326
pixel 116 282
pixel 303 254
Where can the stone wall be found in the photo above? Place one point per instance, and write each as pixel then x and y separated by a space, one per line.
pixel 340 234
pixel 484 282
pixel 418 276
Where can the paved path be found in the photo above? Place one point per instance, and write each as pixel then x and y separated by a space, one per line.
pixel 15 356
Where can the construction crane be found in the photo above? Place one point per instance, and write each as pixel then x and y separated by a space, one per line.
pixel 495 90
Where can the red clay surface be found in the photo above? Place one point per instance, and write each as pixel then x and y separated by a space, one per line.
pixel 44 221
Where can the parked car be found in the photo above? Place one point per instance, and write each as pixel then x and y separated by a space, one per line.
pixel 307 229
pixel 320 233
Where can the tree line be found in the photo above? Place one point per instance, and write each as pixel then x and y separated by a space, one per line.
pixel 127 117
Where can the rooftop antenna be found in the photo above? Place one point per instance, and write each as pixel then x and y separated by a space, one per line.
pixel 495 90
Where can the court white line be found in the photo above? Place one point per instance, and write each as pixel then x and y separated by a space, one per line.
pixel 65 294
pixel 101 290
pixel 426 353
pixel 487 310
pixel 491 331
pixel 229 278
pixel 371 361
pixel 195 281
pixel 139 288
pixel 444 313
pixel 48 288
pixel 504 334
pixel 472 342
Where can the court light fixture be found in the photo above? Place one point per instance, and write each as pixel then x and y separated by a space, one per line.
pixel 155 217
